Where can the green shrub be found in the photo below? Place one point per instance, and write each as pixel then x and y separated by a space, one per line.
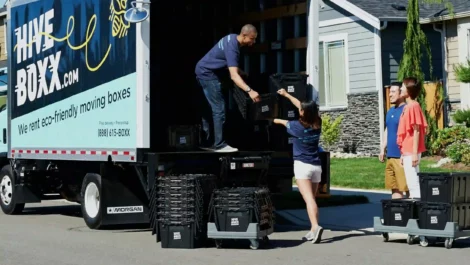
pixel 462 72
pixel 459 151
pixel 463 117
pixel 330 130
pixel 447 136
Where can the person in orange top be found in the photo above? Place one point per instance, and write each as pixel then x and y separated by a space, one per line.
pixel 410 135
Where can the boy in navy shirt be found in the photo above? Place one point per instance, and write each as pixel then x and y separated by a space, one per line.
pixel 307 164
pixel 394 173
pixel 209 70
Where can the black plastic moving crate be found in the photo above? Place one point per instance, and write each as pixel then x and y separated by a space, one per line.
pixel 235 208
pixel 296 85
pixel 397 212
pixel 445 187
pixel 266 109
pixel 181 235
pixel 181 209
pixel 183 137
pixel 435 216
pixel 244 171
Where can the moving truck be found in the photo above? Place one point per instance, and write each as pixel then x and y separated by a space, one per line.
pixel 91 93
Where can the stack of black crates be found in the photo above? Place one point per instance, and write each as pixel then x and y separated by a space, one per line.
pixel 445 197
pixel 242 207
pixel 296 85
pixel 180 209
pixel 235 208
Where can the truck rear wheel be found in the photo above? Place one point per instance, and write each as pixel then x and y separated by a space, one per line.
pixel 8 195
pixel 91 201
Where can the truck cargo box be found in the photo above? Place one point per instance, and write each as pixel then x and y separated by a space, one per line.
pixel 79 88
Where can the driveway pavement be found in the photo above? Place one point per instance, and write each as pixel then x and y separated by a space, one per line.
pixel 54 233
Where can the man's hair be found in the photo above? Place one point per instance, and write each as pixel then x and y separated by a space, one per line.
pixel 398 84
pixel 248 28
pixel 413 87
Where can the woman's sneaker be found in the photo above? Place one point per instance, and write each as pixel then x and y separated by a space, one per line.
pixel 309 236
pixel 317 235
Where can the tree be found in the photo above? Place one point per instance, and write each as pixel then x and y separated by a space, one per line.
pixel 410 64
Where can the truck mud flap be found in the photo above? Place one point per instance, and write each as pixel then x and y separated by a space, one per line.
pixel 121 205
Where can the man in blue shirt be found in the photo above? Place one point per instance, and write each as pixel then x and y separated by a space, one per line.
pixel 209 72
pixel 395 179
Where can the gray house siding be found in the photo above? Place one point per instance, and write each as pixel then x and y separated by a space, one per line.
pixel 329 10
pixel 392 51
pixel 360 52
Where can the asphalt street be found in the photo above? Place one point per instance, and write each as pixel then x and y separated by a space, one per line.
pixel 54 233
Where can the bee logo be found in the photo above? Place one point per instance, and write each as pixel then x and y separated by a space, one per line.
pixel 119 27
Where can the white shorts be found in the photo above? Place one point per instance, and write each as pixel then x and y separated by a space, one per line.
pixel 307 171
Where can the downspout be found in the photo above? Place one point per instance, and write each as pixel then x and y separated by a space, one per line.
pixel 444 67
pixel 378 76
pixel 313 47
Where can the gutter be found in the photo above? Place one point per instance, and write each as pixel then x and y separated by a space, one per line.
pixel 446 17
pixel 379 77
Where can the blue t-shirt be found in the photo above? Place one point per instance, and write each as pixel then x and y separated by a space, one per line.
pixel 305 142
pixel 224 54
pixel 392 120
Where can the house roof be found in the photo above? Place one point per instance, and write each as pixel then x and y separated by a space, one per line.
pixel 395 10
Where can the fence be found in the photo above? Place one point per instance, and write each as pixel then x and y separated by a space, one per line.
pixel 434 102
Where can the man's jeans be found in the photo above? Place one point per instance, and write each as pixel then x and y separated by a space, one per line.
pixel 213 113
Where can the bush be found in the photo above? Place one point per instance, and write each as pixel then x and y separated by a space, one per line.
pixel 459 151
pixel 330 130
pixel 447 136
pixel 463 117
pixel 462 72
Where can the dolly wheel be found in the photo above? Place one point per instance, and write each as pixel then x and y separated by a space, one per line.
pixel 448 243
pixel 385 237
pixel 254 244
pixel 423 241
pixel 410 239
pixel 218 244
pixel 265 240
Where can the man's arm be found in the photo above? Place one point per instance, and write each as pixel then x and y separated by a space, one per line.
pixel 383 146
pixel 237 79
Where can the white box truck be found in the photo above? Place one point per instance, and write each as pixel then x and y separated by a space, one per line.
pixel 77 120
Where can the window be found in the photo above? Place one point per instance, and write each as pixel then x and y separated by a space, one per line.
pixel 333 71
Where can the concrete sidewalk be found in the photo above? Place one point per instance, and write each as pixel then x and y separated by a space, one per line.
pixel 350 217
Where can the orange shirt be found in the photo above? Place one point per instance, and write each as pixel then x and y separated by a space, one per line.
pixel 412 115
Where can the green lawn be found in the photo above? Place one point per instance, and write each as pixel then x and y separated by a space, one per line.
pixel 368 173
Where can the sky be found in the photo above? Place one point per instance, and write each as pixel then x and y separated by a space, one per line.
pixel 2 2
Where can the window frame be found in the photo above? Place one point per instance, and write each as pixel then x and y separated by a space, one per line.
pixel 332 38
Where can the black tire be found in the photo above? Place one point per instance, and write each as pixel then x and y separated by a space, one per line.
pixel 92 218
pixel 7 188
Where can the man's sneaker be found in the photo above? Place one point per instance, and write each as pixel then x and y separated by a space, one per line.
pixel 309 236
pixel 226 149
pixel 317 235
pixel 207 148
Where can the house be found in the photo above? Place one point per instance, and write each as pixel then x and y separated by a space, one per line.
pixel 456 49
pixel 361 48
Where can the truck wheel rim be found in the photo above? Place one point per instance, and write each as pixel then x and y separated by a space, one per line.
pixel 92 200
pixel 6 190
